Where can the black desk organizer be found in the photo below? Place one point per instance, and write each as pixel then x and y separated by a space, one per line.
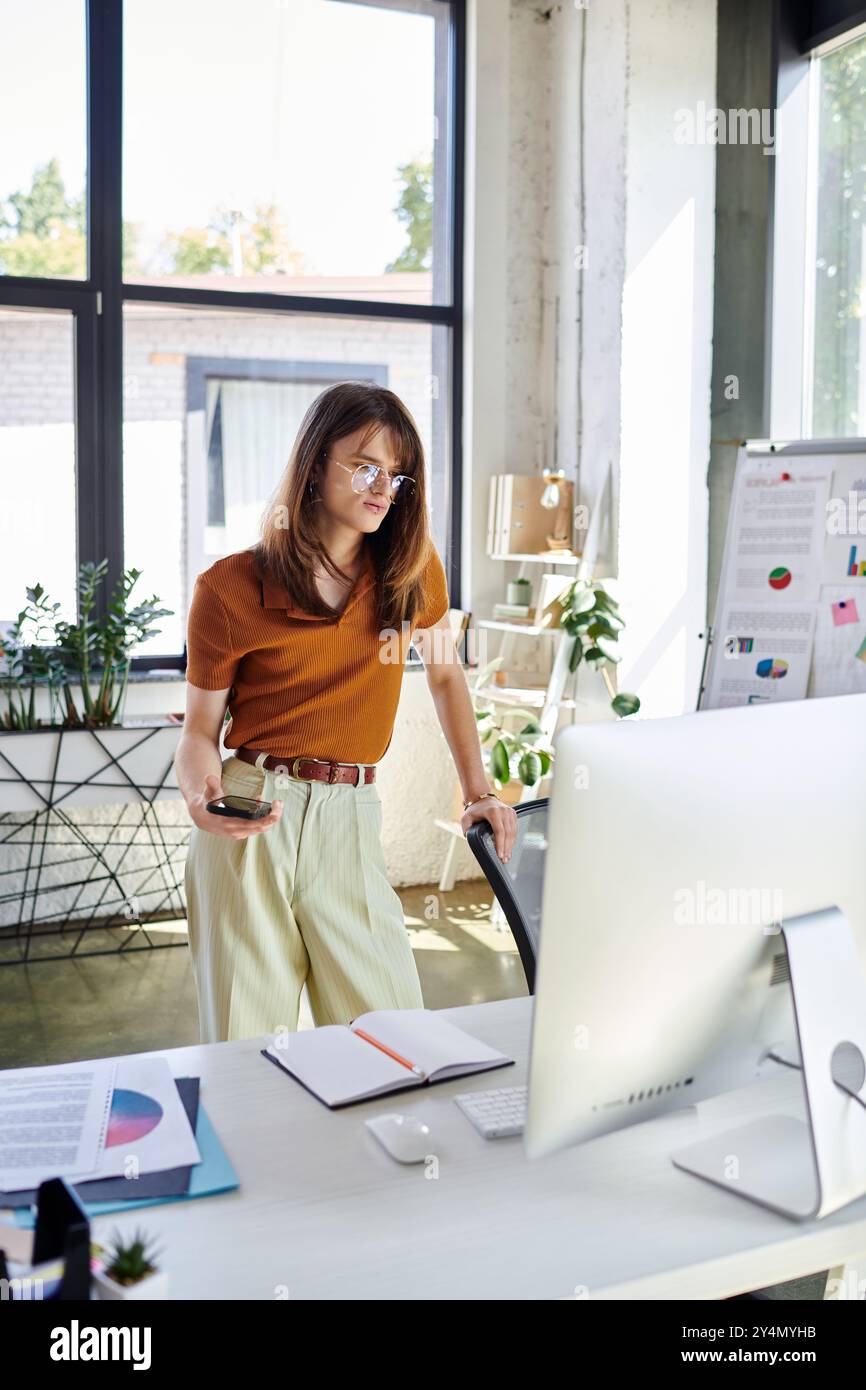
pixel 62 1231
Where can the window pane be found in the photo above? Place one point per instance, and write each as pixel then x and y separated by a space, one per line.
pixel 213 401
pixel 297 146
pixel 839 382
pixel 43 138
pixel 37 459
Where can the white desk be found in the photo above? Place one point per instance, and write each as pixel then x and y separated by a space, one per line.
pixel 323 1212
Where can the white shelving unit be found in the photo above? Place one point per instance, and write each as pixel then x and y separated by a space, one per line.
pixel 549 700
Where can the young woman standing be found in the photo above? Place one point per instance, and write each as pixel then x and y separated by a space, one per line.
pixel 303 638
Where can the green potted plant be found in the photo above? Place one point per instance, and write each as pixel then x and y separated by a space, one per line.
pixel 42 650
pixel 591 616
pixel 518 752
pixel 518 591
pixel 130 1270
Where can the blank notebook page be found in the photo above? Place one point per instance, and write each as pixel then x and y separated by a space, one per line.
pixel 336 1065
pixel 427 1040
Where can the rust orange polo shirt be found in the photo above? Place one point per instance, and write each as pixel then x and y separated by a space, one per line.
pixel 301 684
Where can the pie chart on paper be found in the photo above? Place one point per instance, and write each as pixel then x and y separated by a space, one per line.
pixel 779 578
pixel 772 668
pixel 132 1116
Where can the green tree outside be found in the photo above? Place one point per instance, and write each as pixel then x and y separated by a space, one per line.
pixel 415 211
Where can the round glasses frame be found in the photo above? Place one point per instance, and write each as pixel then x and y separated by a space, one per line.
pixel 365 477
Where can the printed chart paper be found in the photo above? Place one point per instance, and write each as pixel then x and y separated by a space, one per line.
pixel 762 655
pixel 791 610
pixel 845 543
pixel 148 1130
pixel 776 551
pixel 53 1121
pixel 836 667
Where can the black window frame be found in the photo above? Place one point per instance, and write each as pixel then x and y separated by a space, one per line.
pixel 97 303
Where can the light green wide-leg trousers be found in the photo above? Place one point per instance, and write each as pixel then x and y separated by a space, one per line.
pixel 307 901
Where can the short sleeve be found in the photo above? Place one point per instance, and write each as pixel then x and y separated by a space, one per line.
pixel 211 661
pixel 434 601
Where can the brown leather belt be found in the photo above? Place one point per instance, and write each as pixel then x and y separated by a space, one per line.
pixel 310 769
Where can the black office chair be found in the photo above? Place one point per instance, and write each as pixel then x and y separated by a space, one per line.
pixel 517 885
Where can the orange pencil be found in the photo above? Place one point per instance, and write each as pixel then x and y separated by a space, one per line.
pixel 359 1032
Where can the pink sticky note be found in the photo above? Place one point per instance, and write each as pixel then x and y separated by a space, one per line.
pixel 845 611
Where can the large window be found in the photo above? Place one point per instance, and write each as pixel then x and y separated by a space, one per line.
pixel 302 137
pixel 43 138
pixel 208 212
pixel 212 402
pixel 838 350
pixel 37 458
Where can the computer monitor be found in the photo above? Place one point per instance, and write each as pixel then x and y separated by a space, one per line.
pixel 675 848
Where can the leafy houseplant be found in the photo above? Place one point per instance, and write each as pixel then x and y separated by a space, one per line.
pixel 130 1269
pixel 523 750
pixel 42 649
pixel 591 616
pixel 588 613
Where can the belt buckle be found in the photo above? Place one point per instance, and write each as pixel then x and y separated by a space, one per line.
pixel 323 762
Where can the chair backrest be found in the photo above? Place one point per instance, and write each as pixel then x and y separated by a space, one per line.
pixel 517 884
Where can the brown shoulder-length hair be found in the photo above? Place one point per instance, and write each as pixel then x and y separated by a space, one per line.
pixel 289 548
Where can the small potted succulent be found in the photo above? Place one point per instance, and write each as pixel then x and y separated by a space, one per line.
pixel 518 591
pixel 130 1270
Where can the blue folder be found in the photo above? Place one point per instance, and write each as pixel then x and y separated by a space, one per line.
pixel 214 1174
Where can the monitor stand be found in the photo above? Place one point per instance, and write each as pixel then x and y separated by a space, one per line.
pixel 807 1169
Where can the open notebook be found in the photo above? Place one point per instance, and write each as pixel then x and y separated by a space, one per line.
pixel 380 1052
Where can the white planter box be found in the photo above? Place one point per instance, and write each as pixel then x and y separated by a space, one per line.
pixel 82 846
pixel 41 769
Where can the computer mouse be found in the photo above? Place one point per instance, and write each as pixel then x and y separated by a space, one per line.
pixel 404 1137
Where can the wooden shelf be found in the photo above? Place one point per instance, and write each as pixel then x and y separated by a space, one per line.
pixel 534 697
pixel 503 625
pixel 554 557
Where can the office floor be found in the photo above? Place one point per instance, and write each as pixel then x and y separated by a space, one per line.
pixel 65 1010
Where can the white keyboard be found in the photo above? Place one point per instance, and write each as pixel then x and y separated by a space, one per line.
pixel 496 1114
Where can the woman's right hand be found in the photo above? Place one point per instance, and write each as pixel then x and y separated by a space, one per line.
pixel 231 827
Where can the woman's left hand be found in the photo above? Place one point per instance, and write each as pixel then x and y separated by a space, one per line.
pixel 502 820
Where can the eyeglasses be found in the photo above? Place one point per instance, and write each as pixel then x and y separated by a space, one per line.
pixel 367 477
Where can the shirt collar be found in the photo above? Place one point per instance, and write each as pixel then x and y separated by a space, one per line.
pixel 275 595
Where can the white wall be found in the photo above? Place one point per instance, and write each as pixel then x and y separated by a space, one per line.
pixel 666 354
pixel 629 261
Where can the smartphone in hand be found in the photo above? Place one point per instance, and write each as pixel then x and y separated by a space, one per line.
pixel 242 807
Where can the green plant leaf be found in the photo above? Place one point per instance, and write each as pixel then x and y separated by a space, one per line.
pixel 529 768
pixel 594 654
pixel 604 600
pixel 624 704
pixel 582 601
pixel 575 656
pixel 601 627
pixel 546 760
pixel 499 765
pixel 510 711
pixel 607 646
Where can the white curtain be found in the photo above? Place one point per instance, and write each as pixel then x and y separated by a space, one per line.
pixel 259 422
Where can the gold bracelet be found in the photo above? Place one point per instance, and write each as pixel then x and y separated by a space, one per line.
pixel 476 799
